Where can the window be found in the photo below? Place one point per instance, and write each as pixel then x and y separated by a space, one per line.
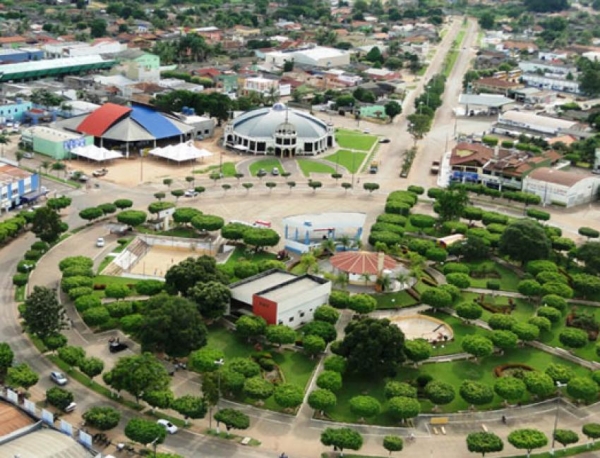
pixel 291 319
pixel 301 314
pixel 280 322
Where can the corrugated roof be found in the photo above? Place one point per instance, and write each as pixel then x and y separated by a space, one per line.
pixel 127 131
pixel 154 122
pixel 559 177
pixel 102 119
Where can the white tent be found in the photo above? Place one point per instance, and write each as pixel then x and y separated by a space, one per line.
pixel 180 152
pixel 96 154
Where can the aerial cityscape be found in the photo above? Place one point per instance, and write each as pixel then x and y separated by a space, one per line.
pixel 299 228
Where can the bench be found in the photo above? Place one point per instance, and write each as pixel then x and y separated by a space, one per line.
pixel 443 430
pixel 439 421
pixel 435 431
pixel 245 441
pixel 484 428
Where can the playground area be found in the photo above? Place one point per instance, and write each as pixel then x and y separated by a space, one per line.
pixel 423 327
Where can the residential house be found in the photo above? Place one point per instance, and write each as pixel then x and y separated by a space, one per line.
pixel 139 65
pixel 493 85
pixel 14 41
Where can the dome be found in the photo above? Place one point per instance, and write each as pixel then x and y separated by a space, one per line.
pixel 265 123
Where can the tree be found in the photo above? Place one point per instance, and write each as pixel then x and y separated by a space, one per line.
pixel 313 345
pixel 47 225
pixel 402 408
pixel 204 360
pixel 362 303
pixel 486 20
pixel 43 314
pixel 476 393
pixel 184 215
pixel 330 380
pixel 138 374
pixel 183 276
pixel 322 400
pixel 280 334
pixel 583 389
pixel 59 397
pixel 122 204
pixel 288 396
pixel 22 376
pixel 72 355
pixel 527 439
pixel 452 204
pixel 260 238
pixel 91 366
pixel 469 310
pixel 417 350
pixel 510 389
pixel 6 358
pixel 529 288
pixel 394 389
pixel 370 187
pixel 566 437
pixel 117 291
pixel 436 298
pixel 539 384
pixel 392 109
pixel 504 339
pixel 107 208
pixel 258 388
pixel 364 406
pixel 315 185
pixel 559 373
pixel 573 338
pixel 190 406
pixel 546 6
pixel 525 331
pixel 477 346
pixel 585 284
pixel 591 431
pixel 525 240
pixel 233 419
pixel 249 327
pixel 393 444
pixel 145 431
pixel 161 399
pixel 341 438
pixel 326 313
pixel 102 418
pixel 500 321
pixel 372 346
pixel 172 324
pixel 439 393
pixel 90 214
pixel 484 443
pixel 212 298
pixel 132 218
pixel 233 231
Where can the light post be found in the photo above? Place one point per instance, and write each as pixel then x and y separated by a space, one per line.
pixel 421 107
pixel 154 444
pixel 559 386
pixel 220 363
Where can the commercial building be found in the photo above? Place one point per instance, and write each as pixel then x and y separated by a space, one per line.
pixel 55 143
pixel 265 86
pixel 563 188
pixel 318 56
pixel 279 130
pixel 14 110
pixel 100 46
pixel 139 66
pixel 17 186
pixel 551 82
pixel 514 123
pixel 52 68
pixel 13 56
pixel 282 298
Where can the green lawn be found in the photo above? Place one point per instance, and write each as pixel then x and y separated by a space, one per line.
pixel 353 139
pixel 460 330
pixel 509 280
pixel 105 262
pixel 309 166
pixel 228 169
pixel 351 160
pixel 110 280
pixel 267 164
pixel 449 62
pixel 248 254
pixel 396 300
pixel 179 231
pixel 454 373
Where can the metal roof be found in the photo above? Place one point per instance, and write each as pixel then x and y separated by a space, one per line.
pixel 487 100
pixel 154 122
pixel 100 120
pixel 44 443
pixel 52 67
pixel 264 121
pixel 127 131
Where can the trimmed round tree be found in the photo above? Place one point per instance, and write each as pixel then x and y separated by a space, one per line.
pixel 501 321
pixel 573 338
pixel 313 345
pixel 402 408
pixel 145 431
pixel 566 437
pixel 510 389
pixel 478 346
pixel 476 393
pixel 341 439
pixel 527 439
pixel 330 380
pixel 393 444
pixel 591 431
pixel 102 418
pixel 322 400
pixel 469 311
pixel 258 389
pixel 539 384
pixel 525 331
pixel 288 396
pixel 504 340
pixel 439 393
pixel 484 443
pixel 417 350
pixel 436 298
pixel 364 407
pixel 326 313
pixel 393 389
pixel 583 389
pixel 559 372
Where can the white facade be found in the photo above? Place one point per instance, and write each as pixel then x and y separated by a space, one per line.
pixel 318 56
pixel 533 122
pixel 546 67
pixel 569 195
pixel 266 86
pixel 551 83
pixel 77 49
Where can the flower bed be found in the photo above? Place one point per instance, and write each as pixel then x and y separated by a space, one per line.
pixel 503 370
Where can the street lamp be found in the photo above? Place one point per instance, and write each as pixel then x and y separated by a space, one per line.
pixel 154 444
pixel 219 362
pixel 559 386
pixel 421 107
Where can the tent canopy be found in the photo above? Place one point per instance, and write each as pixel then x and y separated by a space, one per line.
pixel 180 152
pixel 95 153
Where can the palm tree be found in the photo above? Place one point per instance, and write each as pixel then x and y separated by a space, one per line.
pixel 383 282
pixel 357 244
pixel 307 261
pixel 345 241
pixel 46 165
pixel 403 278
pixel 328 245
pixel 342 280
pixel 272 95
pixel 366 276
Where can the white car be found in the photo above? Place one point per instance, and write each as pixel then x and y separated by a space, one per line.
pixel 58 378
pixel 190 193
pixel 170 427
pixel 100 242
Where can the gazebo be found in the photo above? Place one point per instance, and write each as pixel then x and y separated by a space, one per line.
pixel 362 262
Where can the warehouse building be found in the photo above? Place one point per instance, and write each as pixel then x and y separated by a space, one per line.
pixel 54 143
pixel 563 188
pixel 281 297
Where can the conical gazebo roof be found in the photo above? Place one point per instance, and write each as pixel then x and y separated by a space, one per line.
pixel 361 262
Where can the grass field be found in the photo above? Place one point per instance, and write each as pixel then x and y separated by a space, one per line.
pixel 396 300
pixel 227 167
pixel 249 255
pixel 309 166
pixel 267 164
pixel 508 279
pixel 348 159
pixel 353 139
pixel 110 280
pixel 453 372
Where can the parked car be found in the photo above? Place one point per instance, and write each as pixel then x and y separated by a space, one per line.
pixel 170 427
pixel 261 173
pixel 28 155
pixel 100 242
pixel 190 193
pixel 100 172
pixel 435 168
pixel 58 378
pixel 384 140
pixel 71 407
pixel 115 345
pixel 78 176
pixel 275 171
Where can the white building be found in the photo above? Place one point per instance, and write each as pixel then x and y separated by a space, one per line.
pixel 77 49
pixel 282 298
pixel 556 68
pixel 265 86
pixel 514 122
pixel 319 56
pixel 554 83
pixel 562 188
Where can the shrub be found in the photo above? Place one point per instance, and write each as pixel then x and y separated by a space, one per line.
pixel 245 269
pixel 59 397
pixel 540 265
pixel 459 280
pixel 33 255
pixel 493 285
pixel 554 301
pixel 20 279
pixel 550 313
pixel 40 246
pixel 80 291
pixel 68 284
pixel 339 299
pixel 455 267
pixel 96 316
pixel 267 364
pixel 77 271
pixel 24 267
pixel 81 261
pixel 89 301
pixel 398 220
pixel 335 363
pixel 149 287
pixel 119 309
pixel 131 323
